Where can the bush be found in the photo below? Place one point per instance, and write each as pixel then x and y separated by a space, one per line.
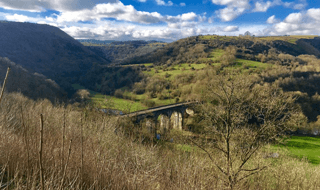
pixel 118 93
pixel 149 103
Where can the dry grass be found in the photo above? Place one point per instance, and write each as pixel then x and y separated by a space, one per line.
pixel 114 161
pixel 109 161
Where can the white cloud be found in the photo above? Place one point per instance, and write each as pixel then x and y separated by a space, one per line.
pixel 188 16
pixel 163 3
pixel 231 29
pixel 106 30
pixel 293 18
pixel 18 18
pixel 182 25
pixel 24 18
pixel 211 19
pixel 41 5
pixel 160 2
pixel 299 6
pixel 303 23
pixel 229 13
pixel 182 4
pixel 262 6
pixel 118 11
pixel 234 8
pixel 142 1
pixel 314 14
pixel 272 20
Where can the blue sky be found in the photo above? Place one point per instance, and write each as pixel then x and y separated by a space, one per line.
pixel 167 20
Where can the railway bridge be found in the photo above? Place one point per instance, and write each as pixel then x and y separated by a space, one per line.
pixel 169 116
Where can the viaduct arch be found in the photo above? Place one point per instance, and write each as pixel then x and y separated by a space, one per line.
pixel 170 116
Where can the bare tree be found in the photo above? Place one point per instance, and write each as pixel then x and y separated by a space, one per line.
pixel 240 118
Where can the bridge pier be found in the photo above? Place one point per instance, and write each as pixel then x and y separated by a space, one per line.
pixel 151 125
pixel 164 123
pixel 176 120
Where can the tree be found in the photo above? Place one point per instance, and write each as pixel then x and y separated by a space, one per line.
pixel 229 57
pixel 82 95
pixel 239 118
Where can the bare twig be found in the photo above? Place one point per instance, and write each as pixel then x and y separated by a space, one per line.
pixel 66 166
pixel 40 152
pixel 81 173
pixel 4 83
pixel 26 146
pixel 63 137
pixel 209 156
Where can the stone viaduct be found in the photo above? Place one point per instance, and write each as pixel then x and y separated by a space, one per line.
pixel 171 116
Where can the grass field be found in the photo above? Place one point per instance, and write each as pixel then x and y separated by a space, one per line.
pixel 212 37
pixel 132 65
pixel 216 54
pixel 253 64
pixel 291 39
pixel 303 147
pixel 173 71
pixel 103 101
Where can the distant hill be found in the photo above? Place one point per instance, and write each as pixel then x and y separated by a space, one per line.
pixel 34 86
pixel 119 52
pixel 191 49
pixel 47 50
pixel 93 41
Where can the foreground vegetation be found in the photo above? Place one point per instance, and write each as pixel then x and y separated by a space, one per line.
pixel 82 148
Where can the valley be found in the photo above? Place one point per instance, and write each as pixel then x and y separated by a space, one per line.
pixel 255 123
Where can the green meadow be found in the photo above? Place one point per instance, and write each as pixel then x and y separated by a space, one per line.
pixel 173 71
pixel 302 147
pixel 103 101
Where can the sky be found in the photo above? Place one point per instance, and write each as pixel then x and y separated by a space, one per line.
pixel 167 20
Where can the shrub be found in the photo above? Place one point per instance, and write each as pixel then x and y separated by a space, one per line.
pixel 149 103
pixel 118 93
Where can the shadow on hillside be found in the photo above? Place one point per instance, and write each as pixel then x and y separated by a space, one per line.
pixel 34 86
pixel 308 84
pixel 106 79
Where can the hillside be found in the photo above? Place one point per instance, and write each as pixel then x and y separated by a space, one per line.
pixel 120 52
pixel 191 49
pixel 47 50
pixel 34 86
pixel 178 71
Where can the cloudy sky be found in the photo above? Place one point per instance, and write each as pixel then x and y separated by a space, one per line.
pixel 167 20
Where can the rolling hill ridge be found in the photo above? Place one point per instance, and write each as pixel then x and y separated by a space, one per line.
pixel 46 50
